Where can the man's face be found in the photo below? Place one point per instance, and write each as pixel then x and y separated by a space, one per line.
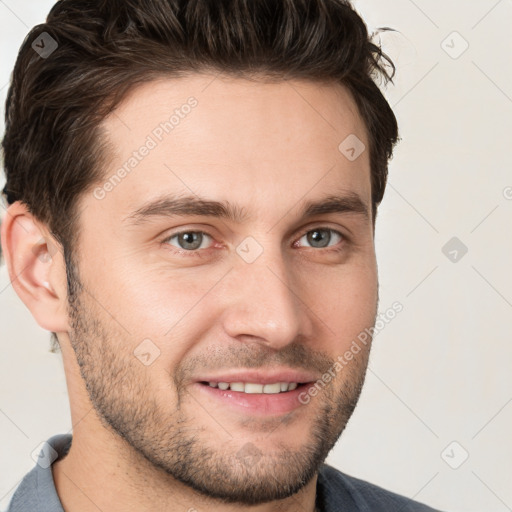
pixel 176 302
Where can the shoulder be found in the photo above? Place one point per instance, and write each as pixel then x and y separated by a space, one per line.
pixel 37 489
pixel 335 488
pixel 24 497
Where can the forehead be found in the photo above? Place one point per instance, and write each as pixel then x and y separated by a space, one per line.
pixel 223 137
pixel 230 103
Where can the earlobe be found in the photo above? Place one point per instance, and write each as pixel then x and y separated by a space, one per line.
pixel 36 267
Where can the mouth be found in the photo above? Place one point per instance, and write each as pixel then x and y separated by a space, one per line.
pixel 256 392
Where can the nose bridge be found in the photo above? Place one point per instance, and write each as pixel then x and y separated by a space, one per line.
pixel 265 303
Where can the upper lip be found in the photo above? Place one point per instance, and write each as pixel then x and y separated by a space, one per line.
pixel 260 376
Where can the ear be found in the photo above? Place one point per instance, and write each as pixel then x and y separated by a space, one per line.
pixel 36 267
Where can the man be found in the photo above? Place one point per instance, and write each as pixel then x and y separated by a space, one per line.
pixel 192 192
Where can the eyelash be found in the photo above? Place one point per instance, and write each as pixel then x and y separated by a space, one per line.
pixel 201 252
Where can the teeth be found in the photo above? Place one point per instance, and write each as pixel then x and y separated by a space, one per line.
pixel 237 386
pixel 272 388
pixel 254 388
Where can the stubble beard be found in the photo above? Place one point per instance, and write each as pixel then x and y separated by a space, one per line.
pixel 119 387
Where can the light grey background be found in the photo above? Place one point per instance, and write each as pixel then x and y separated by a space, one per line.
pixel 440 372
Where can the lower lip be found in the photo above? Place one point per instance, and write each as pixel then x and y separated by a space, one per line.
pixel 257 403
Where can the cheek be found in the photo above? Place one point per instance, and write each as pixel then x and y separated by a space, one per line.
pixel 172 309
pixel 348 303
pixel 153 298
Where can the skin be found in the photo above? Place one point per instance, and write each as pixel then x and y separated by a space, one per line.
pixel 144 436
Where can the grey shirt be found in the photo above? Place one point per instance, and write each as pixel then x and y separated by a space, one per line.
pixel 336 491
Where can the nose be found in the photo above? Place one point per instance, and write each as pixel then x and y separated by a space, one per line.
pixel 265 303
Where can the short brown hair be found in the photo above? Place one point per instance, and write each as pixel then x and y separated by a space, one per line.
pixel 53 146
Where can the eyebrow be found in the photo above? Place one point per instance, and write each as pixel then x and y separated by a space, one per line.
pixel 168 206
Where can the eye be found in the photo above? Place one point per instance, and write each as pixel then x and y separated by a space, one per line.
pixel 189 240
pixel 320 238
